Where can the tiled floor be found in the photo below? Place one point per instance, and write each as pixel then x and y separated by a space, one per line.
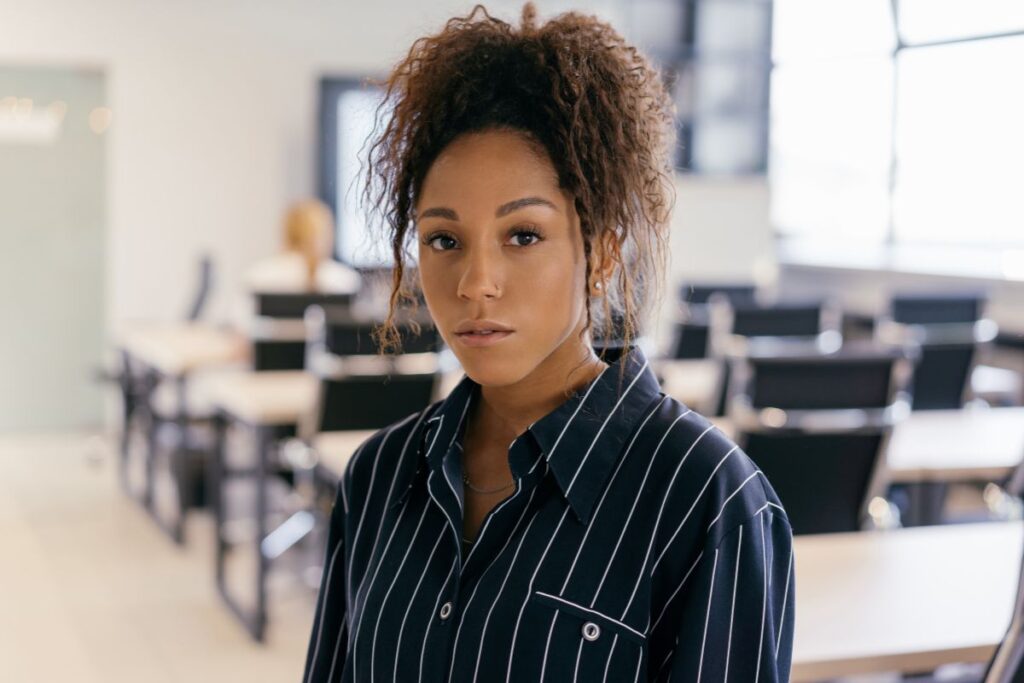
pixel 92 591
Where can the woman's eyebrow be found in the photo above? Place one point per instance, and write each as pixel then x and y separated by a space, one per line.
pixel 511 206
pixel 503 210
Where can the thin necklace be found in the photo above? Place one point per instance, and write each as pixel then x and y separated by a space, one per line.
pixel 465 480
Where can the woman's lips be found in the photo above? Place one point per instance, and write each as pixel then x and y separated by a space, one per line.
pixel 476 339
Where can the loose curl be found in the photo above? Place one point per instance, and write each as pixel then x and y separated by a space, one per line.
pixel 573 85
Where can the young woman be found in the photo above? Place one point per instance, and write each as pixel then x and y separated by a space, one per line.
pixel 556 517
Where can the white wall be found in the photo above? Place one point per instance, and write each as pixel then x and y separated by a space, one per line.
pixel 214 126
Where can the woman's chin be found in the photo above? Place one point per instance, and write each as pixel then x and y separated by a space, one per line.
pixel 493 372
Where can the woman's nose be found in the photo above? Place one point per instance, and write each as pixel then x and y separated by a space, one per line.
pixel 481 277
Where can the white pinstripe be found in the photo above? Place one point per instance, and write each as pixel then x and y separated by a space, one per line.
pixel 387 594
pixel 690 511
pixel 707 618
pixel 732 608
pixel 412 600
pixel 323 608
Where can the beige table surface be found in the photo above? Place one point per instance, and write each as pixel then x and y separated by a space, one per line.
pixel 903 600
pixel 274 397
pixel 693 382
pixel 950 445
pixel 175 349
pixel 335 448
pixel 983 444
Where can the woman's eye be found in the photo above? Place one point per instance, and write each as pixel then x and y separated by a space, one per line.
pixel 446 239
pixel 519 234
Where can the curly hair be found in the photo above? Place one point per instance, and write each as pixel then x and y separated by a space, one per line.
pixel 573 85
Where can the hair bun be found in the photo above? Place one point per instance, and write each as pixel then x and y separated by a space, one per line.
pixel 528 21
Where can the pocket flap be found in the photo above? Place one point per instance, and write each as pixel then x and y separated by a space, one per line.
pixel 589 614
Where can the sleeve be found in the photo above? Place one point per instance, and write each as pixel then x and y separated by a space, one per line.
pixel 737 617
pixel 328 643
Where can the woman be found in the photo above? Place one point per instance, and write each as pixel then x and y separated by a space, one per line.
pixel 556 517
pixel 305 264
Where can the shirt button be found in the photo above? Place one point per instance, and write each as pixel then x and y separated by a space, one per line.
pixel 446 610
pixel 591 630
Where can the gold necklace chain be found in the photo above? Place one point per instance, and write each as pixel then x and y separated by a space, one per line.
pixel 465 480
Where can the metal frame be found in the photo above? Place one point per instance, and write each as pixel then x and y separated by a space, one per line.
pixel 138 385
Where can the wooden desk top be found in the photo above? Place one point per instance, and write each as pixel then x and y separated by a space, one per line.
pixel 175 349
pixel 909 599
pixel 335 448
pixel 693 382
pixel 950 445
pixel 278 397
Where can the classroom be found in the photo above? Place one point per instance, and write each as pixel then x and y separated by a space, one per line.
pixel 565 340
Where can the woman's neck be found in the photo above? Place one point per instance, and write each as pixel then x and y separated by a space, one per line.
pixel 502 413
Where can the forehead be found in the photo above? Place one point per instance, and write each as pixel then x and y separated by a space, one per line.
pixel 490 167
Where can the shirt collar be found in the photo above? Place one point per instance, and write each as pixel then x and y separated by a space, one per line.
pixel 581 439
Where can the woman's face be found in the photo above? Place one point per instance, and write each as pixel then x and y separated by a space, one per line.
pixel 500 241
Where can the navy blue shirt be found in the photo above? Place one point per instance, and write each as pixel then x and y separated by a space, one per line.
pixel 639 544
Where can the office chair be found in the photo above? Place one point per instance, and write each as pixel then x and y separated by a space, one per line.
pixel 817 425
pixel 950 331
pixel 358 391
pixel 278 333
pixel 691 331
pixel 738 329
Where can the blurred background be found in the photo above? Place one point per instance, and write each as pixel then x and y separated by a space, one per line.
pixel 187 289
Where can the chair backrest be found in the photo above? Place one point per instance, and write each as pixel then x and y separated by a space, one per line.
pixel 690 335
pixel 778 320
pixel 278 334
pixel 203 288
pixel 371 401
pixel 811 325
pixel 699 293
pixel 1007 663
pixel 817 426
pixel 937 308
pixel 292 306
pixel 946 328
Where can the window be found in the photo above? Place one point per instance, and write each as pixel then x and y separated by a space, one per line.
pixel 347 108
pixel 715 55
pixel 895 124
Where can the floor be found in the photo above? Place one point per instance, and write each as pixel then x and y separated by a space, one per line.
pixel 91 590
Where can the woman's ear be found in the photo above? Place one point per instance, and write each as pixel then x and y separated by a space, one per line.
pixel 606 251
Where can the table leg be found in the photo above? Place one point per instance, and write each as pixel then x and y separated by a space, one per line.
pixel 264 441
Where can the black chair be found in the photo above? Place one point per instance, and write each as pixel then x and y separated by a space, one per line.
pixel 817 425
pixel 692 331
pixel 949 330
pixel 278 333
pixel 739 329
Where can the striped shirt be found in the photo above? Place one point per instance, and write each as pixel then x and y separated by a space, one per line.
pixel 639 544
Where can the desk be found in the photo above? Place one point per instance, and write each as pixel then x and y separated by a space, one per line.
pixel 694 382
pixel 270 404
pixel 983 444
pixel 168 352
pixel 904 600
pixel 177 349
pixel 957 445
pixel 334 449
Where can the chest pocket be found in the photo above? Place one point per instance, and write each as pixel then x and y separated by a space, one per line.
pixel 594 626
